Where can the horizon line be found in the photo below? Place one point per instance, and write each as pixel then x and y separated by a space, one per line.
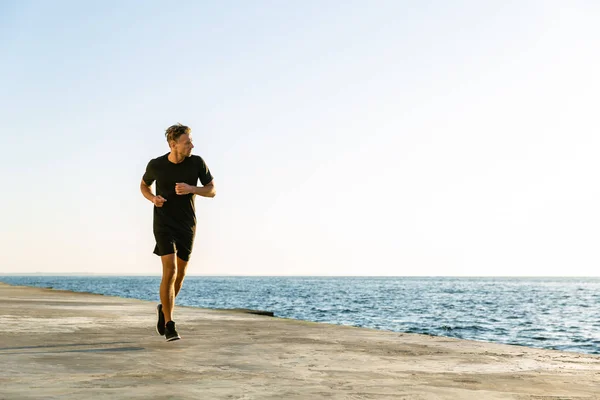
pixel 292 275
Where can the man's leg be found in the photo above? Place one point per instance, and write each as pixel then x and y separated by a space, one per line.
pixel 183 243
pixel 181 268
pixel 167 285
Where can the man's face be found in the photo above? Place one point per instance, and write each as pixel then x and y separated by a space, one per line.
pixel 183 145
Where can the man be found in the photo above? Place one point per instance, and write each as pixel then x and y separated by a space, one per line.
pixel 176 174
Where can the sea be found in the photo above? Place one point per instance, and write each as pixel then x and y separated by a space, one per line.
pixel 549 313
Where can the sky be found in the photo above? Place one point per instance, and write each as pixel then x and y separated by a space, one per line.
pixel 400 138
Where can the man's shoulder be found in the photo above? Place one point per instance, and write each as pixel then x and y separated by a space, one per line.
pixel 196 159
pixel 159 159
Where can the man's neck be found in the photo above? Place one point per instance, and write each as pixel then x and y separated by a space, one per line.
pixel 175 158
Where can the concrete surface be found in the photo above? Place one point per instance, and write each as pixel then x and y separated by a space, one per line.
pixel 64 345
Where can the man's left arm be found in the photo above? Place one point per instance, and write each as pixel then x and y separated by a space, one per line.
pixel 207 190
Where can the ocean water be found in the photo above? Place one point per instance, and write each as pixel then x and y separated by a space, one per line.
pixel 551 313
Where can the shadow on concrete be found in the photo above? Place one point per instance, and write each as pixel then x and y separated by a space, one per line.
pixel 61 345
pixel 102 350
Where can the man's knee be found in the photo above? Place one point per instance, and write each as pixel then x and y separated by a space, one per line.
pixel 181 267
pixel 169 267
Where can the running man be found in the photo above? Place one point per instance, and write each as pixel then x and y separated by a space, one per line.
pixel 176 174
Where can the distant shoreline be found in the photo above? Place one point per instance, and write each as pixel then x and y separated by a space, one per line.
pixel 81 274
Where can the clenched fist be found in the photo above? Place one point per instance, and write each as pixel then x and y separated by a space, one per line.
pixel 183 188
pixel 159 201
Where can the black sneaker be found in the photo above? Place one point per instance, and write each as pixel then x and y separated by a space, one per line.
pixel 160 326
pixel 170 332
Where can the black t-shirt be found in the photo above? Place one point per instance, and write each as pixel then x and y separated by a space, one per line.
pixel 178 212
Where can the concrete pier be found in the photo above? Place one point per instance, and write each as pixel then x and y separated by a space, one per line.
pixel 63 345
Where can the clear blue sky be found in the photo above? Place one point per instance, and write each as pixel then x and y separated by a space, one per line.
pixel 345 137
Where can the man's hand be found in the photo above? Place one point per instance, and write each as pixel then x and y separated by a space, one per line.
pixel 158 201
pixel 183 188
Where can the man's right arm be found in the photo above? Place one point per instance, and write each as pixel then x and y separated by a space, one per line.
pixel 158 201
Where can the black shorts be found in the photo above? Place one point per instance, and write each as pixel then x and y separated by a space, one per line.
pixel 180 243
